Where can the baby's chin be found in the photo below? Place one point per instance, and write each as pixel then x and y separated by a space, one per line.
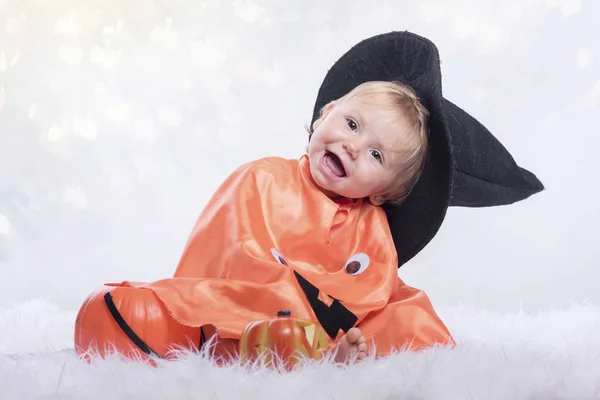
pixel 331 194
pixel 347 193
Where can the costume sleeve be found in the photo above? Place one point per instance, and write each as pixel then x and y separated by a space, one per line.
pixel 407 322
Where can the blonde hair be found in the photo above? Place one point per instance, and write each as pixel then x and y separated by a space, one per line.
pixel 402 98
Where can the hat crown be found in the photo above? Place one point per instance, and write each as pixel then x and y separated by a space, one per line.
pixel 395 56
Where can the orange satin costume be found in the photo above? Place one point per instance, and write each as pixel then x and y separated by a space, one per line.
pixel 270 240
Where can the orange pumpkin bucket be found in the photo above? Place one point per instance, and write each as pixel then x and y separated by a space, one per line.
pixel 130 321
pixel 284 340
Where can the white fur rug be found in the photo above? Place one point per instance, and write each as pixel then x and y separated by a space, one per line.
pixel 508 357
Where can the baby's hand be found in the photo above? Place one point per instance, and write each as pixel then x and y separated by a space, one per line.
pixel 351 346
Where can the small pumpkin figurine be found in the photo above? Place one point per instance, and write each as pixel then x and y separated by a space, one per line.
pixel 283 339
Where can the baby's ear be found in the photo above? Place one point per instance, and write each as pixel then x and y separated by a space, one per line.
pixel 376 200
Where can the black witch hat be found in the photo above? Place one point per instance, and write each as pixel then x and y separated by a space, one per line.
pixel 466 165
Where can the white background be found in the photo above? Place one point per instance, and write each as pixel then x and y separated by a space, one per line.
pixel 118 120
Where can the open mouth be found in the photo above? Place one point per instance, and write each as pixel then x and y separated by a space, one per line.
pixel 334 164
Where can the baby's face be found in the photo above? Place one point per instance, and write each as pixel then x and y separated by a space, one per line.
pixel 356 148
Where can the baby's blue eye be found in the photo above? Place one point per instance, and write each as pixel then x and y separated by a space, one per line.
pixel 376 154
pixel 351 124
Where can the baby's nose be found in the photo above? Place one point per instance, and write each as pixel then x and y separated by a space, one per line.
pixel 351 148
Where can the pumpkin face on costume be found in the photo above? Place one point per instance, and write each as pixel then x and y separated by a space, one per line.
pixel 282 339
pixel 341 295
pixel 132 322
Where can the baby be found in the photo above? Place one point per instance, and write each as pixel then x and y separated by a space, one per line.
pixel 304 235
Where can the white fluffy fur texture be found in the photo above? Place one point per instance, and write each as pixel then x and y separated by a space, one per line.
pixel 547 356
